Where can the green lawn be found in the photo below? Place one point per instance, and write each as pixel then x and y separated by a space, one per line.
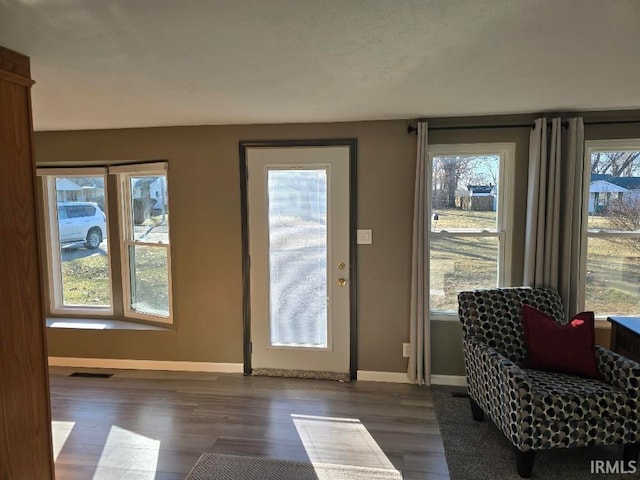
pixel 613 269
pixel 461 263
pixel 85 273
pixel 86 280
pixel 151 287
pixel 613 277
pixel 452 218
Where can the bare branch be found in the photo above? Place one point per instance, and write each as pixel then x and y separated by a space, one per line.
pixel 624 215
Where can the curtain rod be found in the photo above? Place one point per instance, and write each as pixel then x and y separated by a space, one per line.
pixel 414 129
pixel 613 122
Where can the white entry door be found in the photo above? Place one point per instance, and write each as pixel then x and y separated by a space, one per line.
pixel 298 222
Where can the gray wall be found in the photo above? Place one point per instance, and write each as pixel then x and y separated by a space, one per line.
pixel 206 237
pixel 204 195
pixel 446 348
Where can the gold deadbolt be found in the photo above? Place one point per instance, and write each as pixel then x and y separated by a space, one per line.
pixel 342 266
pixel 342 282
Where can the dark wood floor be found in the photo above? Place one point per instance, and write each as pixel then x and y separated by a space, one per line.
pixel 155 425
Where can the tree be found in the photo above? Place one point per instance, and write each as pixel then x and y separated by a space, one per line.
pixel 447 172
pixel 452 173
pixel 624 215
pixel 616 164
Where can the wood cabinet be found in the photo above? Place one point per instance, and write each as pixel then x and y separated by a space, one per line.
pixel 25 415
pixel 625 336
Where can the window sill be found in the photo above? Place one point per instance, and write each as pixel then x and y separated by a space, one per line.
pixel 102 324
pixel 600 323
pixel 444 317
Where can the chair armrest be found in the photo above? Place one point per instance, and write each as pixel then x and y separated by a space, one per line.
pixel 511 372
pixel 619 371
pixel 501 388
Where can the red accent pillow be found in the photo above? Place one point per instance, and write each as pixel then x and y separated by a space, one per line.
pixel 566 348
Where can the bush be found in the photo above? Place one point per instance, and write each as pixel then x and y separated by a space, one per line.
pixel 624 215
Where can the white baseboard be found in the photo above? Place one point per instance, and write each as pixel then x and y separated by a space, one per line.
pixel 393 377
pixel 146 365
pixel 363 375
pixel 452 380
pixel 401 377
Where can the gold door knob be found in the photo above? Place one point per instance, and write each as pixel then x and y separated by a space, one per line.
pixel 342 282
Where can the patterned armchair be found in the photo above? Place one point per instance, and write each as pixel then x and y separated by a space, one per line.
pixel 538 410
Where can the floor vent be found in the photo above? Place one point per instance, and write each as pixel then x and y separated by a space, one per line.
pixel 91 375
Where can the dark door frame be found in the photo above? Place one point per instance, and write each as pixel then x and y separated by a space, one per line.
pixel 352 143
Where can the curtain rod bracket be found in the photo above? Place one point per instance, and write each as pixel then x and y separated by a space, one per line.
pixel 411 129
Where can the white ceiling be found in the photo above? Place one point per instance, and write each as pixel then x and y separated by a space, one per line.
pixel 131 63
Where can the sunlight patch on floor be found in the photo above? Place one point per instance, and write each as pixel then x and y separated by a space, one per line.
pixel 140 452
pixel 60 432
pixel 338 440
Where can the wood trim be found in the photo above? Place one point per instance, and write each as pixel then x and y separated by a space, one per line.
pixel 614 337
pixel 38 262
pixel 24 403
pixel 17 79
pixel 14 62
pixel 352 143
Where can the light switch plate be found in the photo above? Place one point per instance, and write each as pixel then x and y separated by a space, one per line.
pixel 365 237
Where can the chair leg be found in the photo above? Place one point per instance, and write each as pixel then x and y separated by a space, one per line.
pixel 630 453
pixel 524 462
pixel 476 411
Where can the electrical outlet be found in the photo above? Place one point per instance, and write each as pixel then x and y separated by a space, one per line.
pixel 406 350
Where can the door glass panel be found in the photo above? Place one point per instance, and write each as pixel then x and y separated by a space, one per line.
pixel 298 257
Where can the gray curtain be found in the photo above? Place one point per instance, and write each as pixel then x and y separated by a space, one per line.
pixel 558 178
pixel 419 370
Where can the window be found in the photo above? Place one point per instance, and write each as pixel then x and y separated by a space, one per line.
pixel 82 261
pixel 145 242
pixel 469 231
pixel 79 261
pixel 611 246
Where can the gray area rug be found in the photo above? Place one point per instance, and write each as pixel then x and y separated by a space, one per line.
pixel 212 466
pixel 478 450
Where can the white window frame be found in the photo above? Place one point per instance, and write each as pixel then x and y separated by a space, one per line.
pixel 54 262
pixel 504 219
pixel 592 146
pixel 124 173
